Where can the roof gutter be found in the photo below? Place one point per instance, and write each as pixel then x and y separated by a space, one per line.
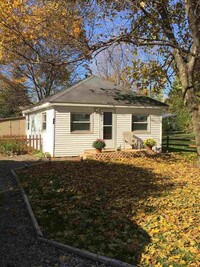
pixel 47 105
pixel 36 108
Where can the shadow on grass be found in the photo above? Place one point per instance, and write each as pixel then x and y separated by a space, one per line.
pixel 178 149
pixel 1 199
pixel 91 204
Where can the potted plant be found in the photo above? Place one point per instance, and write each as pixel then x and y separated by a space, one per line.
pixel 99 144
pixel 149 143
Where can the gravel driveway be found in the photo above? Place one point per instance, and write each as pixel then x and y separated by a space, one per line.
pixel 18 244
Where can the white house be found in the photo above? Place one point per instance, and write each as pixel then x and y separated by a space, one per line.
pixel 69 121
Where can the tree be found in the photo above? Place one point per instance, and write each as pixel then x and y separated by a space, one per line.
pixel 171 28
pixel 182 120
pixel 38 39
pixel 149 77
pixel 13 97
pixel 112 64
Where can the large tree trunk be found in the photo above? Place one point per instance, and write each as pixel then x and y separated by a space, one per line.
pixel 191 102
pixel 192 9
pixel 196 127
pixel 194 109
pixel 186 72
pixel 185 61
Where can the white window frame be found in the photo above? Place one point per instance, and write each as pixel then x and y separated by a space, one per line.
pixel 109 125
pixel 147 122
pixel 44 122
pixel 81 122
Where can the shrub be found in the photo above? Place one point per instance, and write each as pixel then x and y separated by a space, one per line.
pixel 47 155
pixel 11 147
pixel 99 144
pixel 38 154
pixel 150 142
pixel 41 155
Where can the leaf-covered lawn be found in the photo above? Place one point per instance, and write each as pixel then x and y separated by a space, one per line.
pixel 143 211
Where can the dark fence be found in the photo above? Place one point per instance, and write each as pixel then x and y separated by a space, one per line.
pixel 174 144
pixel 34 141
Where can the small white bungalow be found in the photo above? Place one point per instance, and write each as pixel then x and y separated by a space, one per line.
pixel 69 121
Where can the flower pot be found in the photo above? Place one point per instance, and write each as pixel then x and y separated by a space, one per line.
pixel 149 147
pixel 98 150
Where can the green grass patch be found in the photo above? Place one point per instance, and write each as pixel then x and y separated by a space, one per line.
pixel 179 145
pixel 142 211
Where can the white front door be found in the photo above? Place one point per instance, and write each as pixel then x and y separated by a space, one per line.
pixel 107 127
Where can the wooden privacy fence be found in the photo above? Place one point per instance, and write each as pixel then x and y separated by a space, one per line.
pixel 31 141
pixel 178 144
pixel 12 126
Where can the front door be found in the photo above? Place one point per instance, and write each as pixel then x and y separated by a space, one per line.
pixel 107 129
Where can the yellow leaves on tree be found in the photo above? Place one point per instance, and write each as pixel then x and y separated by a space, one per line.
pixel 24 24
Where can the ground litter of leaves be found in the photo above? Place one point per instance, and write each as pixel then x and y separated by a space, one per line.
pixel 143 211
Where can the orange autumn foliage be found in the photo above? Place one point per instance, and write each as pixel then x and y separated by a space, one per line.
pixel 24 25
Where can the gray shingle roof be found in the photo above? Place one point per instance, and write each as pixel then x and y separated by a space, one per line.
pixel 95 90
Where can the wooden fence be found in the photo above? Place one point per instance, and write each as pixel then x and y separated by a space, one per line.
pixel 12 126
pixel 178 144
pixel 34 141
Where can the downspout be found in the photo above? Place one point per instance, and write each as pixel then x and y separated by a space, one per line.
pixel 115 128
pixel 54 132
pixel 161 133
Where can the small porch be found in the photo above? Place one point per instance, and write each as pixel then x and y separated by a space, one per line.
pixel 108 154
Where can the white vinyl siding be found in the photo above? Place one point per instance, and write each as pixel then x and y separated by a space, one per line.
pixel 69 143
pixel 124 123
pixel 35 128
pixel 60 141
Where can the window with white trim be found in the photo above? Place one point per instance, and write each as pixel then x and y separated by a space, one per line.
pixel 80 122
pixel 28 122
pixel 44 121
pixel 140 123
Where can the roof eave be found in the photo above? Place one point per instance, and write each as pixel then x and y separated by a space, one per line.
pixel 53 104
pixel 36 108
pixel 108 105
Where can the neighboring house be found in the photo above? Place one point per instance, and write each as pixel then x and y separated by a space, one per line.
pixel 69 121
pixel 12 126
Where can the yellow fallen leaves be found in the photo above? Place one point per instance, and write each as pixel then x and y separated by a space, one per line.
pixel 143 211
pixel 172 221
pixel 171 218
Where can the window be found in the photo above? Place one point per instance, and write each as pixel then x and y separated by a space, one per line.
pixel 28 122
pixel 44 121
pixel 107 125
pixel 80 122
pixel 140 122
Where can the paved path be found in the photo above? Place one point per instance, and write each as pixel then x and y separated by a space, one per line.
pixel 18 244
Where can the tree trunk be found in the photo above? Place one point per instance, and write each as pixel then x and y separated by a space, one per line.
pixel 186 72
pixel 196 127
pixel 194 110
pixel 192 9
